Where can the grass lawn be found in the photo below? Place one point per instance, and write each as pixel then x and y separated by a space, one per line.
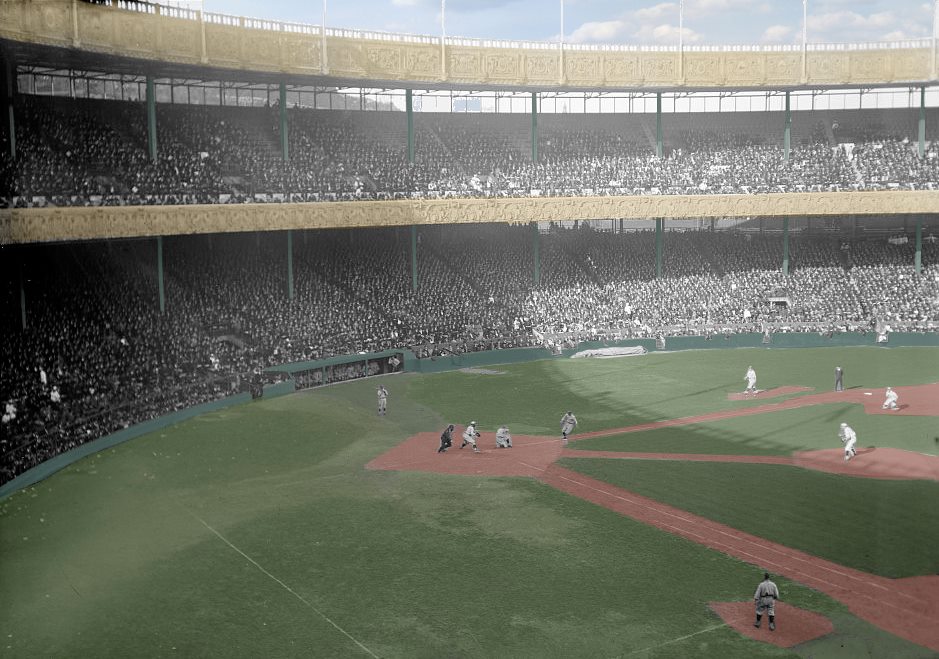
pixel 256 531
pixel 890 528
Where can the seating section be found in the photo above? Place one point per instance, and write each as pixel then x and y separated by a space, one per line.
pixel 94 152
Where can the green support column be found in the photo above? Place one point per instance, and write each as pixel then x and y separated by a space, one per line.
pixel 785 264
pixel 290 264
pixel 285 150
pixel 534 126
pixel 22 299
pixel 658 247
pixel 536 253
pixel 151 119
pixel 160 274
pixel 413 258
pixel 922 122
pixel 659 142
pixel 9 90
pixel 409 111
pixel 918 259
pixel 787 132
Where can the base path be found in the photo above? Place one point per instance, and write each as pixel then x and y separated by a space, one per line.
pixel 907 608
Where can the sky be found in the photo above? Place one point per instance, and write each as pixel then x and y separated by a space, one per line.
pixel 650 22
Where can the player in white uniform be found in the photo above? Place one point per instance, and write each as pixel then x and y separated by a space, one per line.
pixel 503 438
pixel 849 439
pixel 750 377
pixel 765 597
pixel 890 400
pixel 568 423
pixel 470 435
pixel 382 400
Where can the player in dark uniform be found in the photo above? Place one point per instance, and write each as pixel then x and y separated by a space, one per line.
pixel 446 439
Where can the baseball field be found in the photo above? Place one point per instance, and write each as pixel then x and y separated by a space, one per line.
pixel 307 525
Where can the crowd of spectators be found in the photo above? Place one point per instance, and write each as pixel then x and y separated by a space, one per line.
pixel 95 152
pixel 98 355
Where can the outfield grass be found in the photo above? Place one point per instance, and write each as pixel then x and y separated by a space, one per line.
pixel 866 524
pixel 779 433
pixel 256 532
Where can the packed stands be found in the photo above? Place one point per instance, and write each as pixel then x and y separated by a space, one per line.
pixel 95 152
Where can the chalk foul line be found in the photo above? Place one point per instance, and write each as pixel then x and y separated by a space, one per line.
pixel 285 586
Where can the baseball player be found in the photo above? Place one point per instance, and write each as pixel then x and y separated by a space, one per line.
pixel 839 378
pixel 890 401
pixel 446 439
pixel 382 400
pixel 849 439
pixel 765 597
pixel 568 423
pixel 750 377
pixel 503 438
pixel 470 435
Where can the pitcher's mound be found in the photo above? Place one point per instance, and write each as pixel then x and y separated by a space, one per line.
pixel 793 625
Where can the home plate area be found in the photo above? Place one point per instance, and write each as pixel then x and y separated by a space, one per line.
pixel 793 625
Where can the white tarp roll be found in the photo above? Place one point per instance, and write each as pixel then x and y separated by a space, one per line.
pixel 606 353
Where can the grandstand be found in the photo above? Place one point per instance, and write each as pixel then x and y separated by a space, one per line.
pixel 169 236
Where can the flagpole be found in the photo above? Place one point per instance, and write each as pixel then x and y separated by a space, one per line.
pixel 681 40
pixel 324 67
pixel 805 36
pixel 443 39
pixel 561 47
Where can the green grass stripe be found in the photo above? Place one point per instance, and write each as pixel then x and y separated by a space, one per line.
pixel 889 528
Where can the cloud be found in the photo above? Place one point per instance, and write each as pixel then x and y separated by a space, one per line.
pixel 599 32
pixel 666 34
pixel 656 12
pixel 405 3
pixel 699 8
pixel 776 34
pixel 850 20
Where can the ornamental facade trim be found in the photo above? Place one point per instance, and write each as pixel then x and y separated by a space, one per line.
pixel 163 34
pixel 36 225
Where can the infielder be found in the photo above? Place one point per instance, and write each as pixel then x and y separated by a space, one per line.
pixel 568 423
pixel 382 400
pixel 446 439
pixel 765 597
pixel 750 377
pixel 503 438
pixel 470 435
pixel 890 401
pixel 849 439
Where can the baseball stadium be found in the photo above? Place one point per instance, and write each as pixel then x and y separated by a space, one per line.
pixel 329 342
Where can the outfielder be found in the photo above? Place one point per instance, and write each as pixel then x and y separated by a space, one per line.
pixel 568 423
pixel 849 439
pixel 890 401
pixel 765 597
pixel 503 438
pixel 470 435
pixel 382 400
pixel 750 377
